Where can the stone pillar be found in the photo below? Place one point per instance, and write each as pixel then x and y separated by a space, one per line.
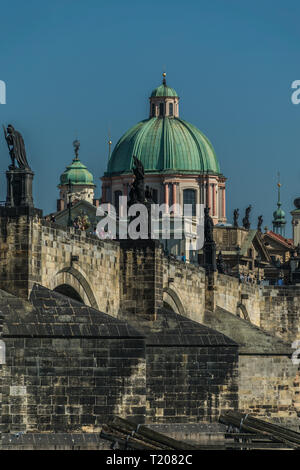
pixel 19 187
pixel 141 279
pixel 174 188
pixel 223 203
pixel 167 196
pixel 210 286
pixel 103 194
pixel 60 205
pixel 20 244
pixel 208 195
pixel 214 212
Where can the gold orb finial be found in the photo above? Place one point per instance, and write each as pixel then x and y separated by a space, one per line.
pixel 279 185
pixel 164 74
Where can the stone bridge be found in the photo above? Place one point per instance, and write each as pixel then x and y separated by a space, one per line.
pixel 129 276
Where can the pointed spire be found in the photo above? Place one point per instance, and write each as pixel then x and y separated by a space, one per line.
pixel 279 186
pixel 279 221
pixel 109 147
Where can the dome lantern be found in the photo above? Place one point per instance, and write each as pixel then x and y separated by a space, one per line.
pixel 164 101
pixel 77 177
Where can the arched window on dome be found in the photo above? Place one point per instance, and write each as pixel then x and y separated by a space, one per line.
pixel 161 109
pixel 189 197
pixel 170 109
pixel 117 194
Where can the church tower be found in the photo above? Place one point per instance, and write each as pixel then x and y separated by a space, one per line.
pixel 279 221
pixel 77 180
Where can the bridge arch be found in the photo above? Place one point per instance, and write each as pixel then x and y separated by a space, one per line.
pixel 172 301
pixel 71 282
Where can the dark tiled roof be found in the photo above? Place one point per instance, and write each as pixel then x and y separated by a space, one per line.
pixel 49 313
pixel 250 338
pixel 170 328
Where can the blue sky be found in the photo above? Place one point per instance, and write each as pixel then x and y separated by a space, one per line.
pixel 86 68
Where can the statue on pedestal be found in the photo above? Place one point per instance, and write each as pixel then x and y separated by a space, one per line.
pixel 19 178
pixel 246 221
pixel 16 147
pixel 209 247
pixel 235 217
pixel 137 190
pixel 259 223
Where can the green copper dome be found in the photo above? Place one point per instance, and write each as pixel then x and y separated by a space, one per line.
pixel 163 90
pixel 165 144
pixel 279 216
pixel 77 173
pixel 279 221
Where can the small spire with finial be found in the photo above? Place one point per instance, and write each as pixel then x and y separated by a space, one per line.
pixel 164 78
pixel 76 145
pixel 279 186
pixel 109 147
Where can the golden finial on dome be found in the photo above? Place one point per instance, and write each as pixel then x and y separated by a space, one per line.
pixel 164 74
pixel 278 176
pixel 164 78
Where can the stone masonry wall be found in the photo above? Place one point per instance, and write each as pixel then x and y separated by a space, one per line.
pixel 141 278
pixel 71 384
pixel 2 360
pixel 187 282
pixel 95 275
pixel 269 387
pixel 229 292
pixel 35 251
pixel 190 384
pixel 280 312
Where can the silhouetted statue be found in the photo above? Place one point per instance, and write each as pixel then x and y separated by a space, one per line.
pixel 16 147
pixel 259 223
pixel 246 221
pixel 220 263
pixel 149 195
pixel 137 190
pixel 208 226
pixel 235 217
pixel 209 247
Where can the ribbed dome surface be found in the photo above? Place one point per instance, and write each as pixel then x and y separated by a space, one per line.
pixel 163 90
pixel 77 173
pixel 164 145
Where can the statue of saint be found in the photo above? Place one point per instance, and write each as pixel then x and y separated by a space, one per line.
pixel 246 221
pixel 16 147
pixel 259 223
pixel 137 191
pixel 220 263
pixel 208 226
pixel 235 217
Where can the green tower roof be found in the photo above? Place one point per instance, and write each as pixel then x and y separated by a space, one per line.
pixel 77 173
pixel 279 214
pixel 165 144
pixel 163 90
